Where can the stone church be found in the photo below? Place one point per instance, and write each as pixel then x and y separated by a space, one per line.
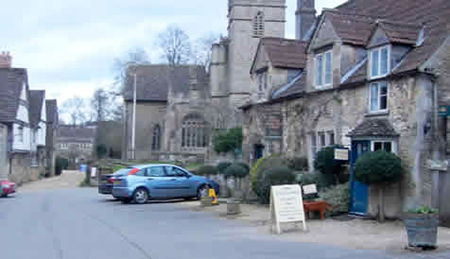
pixel 179 107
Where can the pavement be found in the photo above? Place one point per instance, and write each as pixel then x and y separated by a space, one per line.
pixel 70 222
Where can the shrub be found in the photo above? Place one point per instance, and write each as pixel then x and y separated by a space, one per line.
pixel 253 173
pixel 266 164
pixel 274 176
pixel 244 165
pixel 322 181
pixel 298 164
pixel 337 197
pixel 206 170
pixel 235 170
pixel 60 165
pixel 326 164
pixel 102 151
pixel 227 141
pixel 222 166
pixel 378 168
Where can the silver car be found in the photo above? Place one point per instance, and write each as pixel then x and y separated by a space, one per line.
pixel 159 181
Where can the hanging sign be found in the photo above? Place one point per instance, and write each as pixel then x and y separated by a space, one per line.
pixel 341 154
pixel 286 205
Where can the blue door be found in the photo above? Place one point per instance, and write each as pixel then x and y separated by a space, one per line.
pixel 359 192
pixel 259 151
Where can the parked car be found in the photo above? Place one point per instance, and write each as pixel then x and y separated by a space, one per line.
pixel 160 181
pixel 105 184
pixel 7 188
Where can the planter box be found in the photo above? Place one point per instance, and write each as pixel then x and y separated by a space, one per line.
pixel 421 229
pixel 233 207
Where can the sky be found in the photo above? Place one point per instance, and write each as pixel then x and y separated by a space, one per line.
pixel 69 46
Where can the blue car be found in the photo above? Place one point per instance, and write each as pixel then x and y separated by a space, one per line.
pixel 159 181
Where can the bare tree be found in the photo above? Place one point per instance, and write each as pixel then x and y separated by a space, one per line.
pixel 203 47
pixel 75 109
pixel 100 105
pixel 137 56
pixel 175 45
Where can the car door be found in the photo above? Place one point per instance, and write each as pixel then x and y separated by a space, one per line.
pixel 178 182
pixel 156 181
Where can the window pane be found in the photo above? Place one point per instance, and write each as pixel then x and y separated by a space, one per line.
pixel 319 70
pixel 384 61
pixel 331 139
pixel 378 146
pixel 313 140
pixel 383 96
pixel 328 68
pixel 388 146
pixel 375 63
pixel 155 171
pixel 322 139
pixel 374 97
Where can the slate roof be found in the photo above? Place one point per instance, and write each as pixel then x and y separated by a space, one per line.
pixel 285 53
pixel 293 88
pixel 51 107
pixel 374 128
pixel 351 28
pixel 401 33
pixel 76 133
pixel 11 82
pixel 36 101
pixel 431 13
pixel 154 81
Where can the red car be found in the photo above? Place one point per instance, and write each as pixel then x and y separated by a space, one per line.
pixel 7 188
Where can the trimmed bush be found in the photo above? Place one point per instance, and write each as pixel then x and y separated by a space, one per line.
pixel 244 165
pixel 298 163
pixel 254 172
pixel 235 170
pixel 337 197
pixel 325 163
pixel 378 168
pixel 274 176
pixel 227 141
pixel 206 170
pixel 222 166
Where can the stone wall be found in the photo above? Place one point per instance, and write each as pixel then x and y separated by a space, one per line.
pixel 20 168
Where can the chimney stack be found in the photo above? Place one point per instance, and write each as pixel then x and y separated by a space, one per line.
pixel 5 60
pixel 305 17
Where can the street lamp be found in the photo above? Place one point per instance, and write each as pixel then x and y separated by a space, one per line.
pixel 133 123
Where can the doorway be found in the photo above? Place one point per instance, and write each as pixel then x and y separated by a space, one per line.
pixel 359 192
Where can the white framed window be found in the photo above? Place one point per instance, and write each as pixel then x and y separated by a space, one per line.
pixel 262 81
pixel 323 69
pixel 379 62
pixel 378 96
pixel 258 25
pixel 385 145
pixel 20 134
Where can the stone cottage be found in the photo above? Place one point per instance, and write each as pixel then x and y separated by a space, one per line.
pixel 372 77
pixel 75 143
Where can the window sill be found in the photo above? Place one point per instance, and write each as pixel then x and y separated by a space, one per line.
pixel 374 78
pixel 377 113
pixel 322 87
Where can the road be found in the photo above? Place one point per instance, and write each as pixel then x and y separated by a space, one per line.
pixel 80 224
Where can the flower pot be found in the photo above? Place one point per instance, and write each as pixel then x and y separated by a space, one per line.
pixel 233 207
pixel 422 229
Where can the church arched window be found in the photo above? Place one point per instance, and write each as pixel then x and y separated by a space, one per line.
pixel 156 137
pixel 258 25
pixel 193 134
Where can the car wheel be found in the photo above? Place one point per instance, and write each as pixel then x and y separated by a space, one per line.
pixel 202 192
pixel 140 196
pixel 4 195
pixel 125 200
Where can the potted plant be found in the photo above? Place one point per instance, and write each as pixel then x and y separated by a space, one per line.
pixel 422 227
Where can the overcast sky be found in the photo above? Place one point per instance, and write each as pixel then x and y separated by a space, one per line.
pixel 69 46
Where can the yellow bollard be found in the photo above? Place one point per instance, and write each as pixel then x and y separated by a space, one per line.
pixel 212 194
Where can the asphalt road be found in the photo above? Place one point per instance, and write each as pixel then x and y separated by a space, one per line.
pixel 80 224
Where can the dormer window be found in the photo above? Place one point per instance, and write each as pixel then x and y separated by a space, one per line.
pixel 323 69
pixel 379 62
pixel 258 25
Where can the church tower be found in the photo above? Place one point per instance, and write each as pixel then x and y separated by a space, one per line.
pixel 248 22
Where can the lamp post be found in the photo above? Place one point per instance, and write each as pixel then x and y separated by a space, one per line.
pixel 133 127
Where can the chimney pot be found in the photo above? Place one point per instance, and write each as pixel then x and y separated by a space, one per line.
pixel 5 59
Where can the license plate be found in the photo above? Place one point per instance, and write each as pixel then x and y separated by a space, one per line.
pixel 116 182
